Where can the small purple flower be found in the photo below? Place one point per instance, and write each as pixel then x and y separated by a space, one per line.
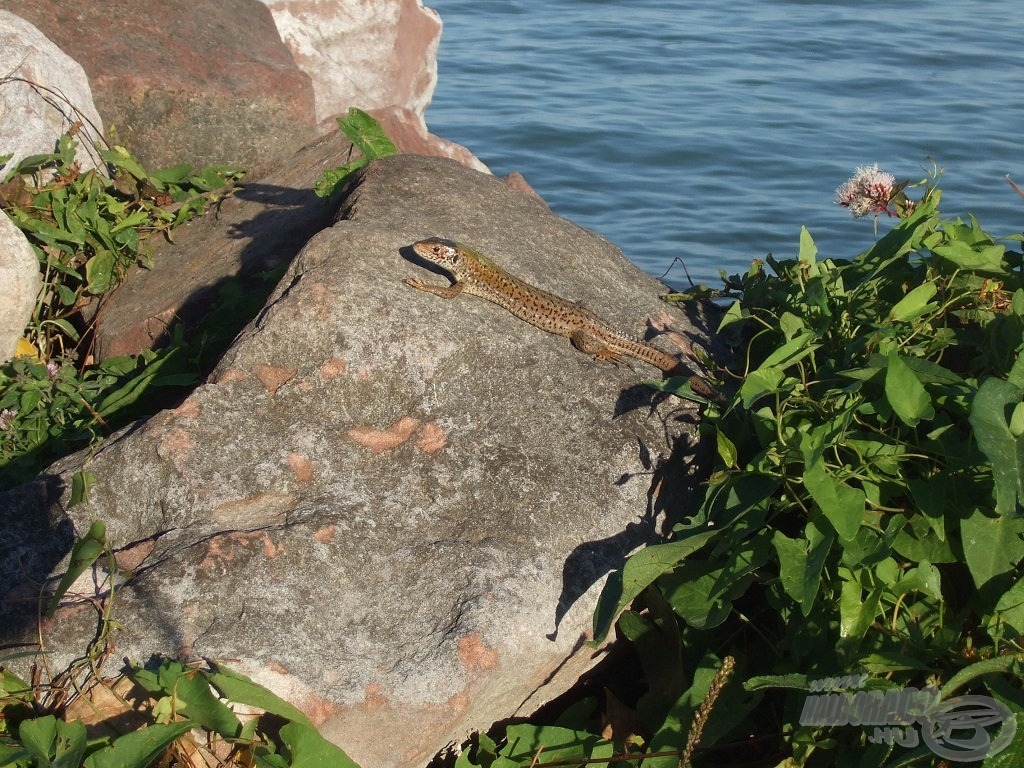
pixel 869 190
pixel 6 417
pixel 52 369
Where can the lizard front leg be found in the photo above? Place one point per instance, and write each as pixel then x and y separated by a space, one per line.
pixel 444 291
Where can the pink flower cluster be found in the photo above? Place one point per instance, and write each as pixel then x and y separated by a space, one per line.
pixel 867 191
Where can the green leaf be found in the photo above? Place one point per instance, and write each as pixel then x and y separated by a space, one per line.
pixel 29 400
pixel 332 178
pixel 1013 755
pixel 366 133
pixel 638 573
pixel 132 220
pixel 85 552
pixel 13 756
pixel 38 736
pixel 99 272
pixel 992 545
pixel 726 449
pixel 138 749
pixel 842 504
pixel 808 250
pixel 801 562
pixel 905 393
pixel 1005 451
pixel 33 163
pixel 81 482
pixel 131 390
pixel 71 744
pixel 236 687
pixel 192 688
pixel 734 314
pixel 1009 610
pixel 757 384
pixel 794 681
pixel 792 351
pixel 481 753
pixel 524 742
pixel 978 669
pixel 914 304
pixel 857 612
pixel 52 742
pixel 963 255
pixel 311 750
pixel 176 174
pixel 119 157
pixel 66 328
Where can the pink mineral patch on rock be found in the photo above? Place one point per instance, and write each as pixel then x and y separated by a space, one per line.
pixel 300 466
pixel 227 376
pixel 131 558
pixel 325 534
pixel 175 446
pixel 273 377
pixel 432 438
pixel 221 550
pixel 385 439
pixel 187 410
pixel 333 367
pixel 474 655
pixel 316 300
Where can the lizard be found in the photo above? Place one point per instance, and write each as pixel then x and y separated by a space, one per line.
pixel 473 273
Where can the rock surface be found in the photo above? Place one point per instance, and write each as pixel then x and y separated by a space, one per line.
pixel 203 82
pixel 260 228
pixel 19 285
pixel 359 54
pixel 43 93
pixel 383 504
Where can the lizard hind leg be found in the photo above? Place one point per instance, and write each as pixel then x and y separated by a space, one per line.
pixel 589 344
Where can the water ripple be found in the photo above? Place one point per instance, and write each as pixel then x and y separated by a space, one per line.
pixel 714 131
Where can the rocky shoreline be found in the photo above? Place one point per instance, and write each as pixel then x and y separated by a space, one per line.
pixel 394 511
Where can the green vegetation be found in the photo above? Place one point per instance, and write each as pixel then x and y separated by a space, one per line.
pixel 87 229
pixel 368 137
pixel 149 713
pixel 862 527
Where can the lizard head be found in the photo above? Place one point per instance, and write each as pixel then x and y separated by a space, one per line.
pixel 444 253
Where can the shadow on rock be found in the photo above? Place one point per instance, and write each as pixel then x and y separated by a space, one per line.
pixel 34 538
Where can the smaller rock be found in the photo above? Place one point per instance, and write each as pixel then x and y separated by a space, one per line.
pixel 409 133
pixel 359 54
pixel 43 93
pixel 201 82
pixel 19 285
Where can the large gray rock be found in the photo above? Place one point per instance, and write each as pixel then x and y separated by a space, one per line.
pixel 382 504
pixel 43 93
pixel 259 228
pixel 19 285
pixel 359 54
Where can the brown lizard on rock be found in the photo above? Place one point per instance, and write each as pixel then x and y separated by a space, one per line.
pixel 473 273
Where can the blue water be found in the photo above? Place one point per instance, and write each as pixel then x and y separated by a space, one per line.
pixel 712 131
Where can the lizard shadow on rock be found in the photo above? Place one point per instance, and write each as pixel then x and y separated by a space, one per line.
pixel 407 253
pixel 672 484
